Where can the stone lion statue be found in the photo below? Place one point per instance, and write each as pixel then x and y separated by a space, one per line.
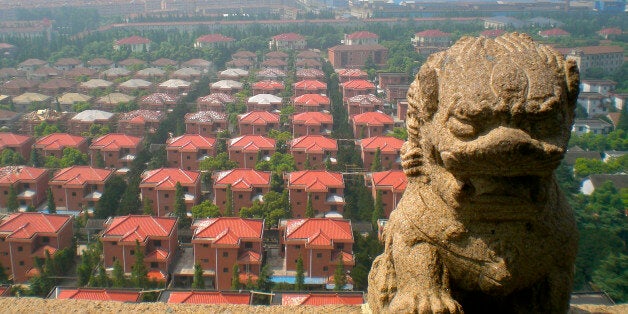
pixel 483 226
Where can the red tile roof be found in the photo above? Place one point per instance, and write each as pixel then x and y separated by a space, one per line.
pixel 391 179
pixel 159 99
pixel 258 118
pixel 26 225
pixel 244 54
pixel 274 63
pixel 359 84
pixel 242 179
pixel 592 50
pixel 190 143
pixel 268 85
pixel 365 100
pixel 310 84
pixel 277 55
pixel 553 32
pixel 610 31
pixel 310 73
pixel 142 116
pixel 98 294
pixel 493 33
pixel 372 118
pixel 228 230
pixel 315 180
pixel 251 143
pixel 351 73
pixel 321 299
pixel 14 174
pixel 384 143
pixel 213 38
pixel 133 40
pixel 139 227
pixel 432 33
pixel 156 275
pixel 288 37
pixel 313 144
pixel 311 100
pixel 220 98
pixel 205 116
pixel 167 178
pixel 81 175
pixel 208 297
pixel 319 231
pixel 59 141
pixel 41 251
pixel 312 118
pixel 362 34
pixel 12 140
pixel 115 142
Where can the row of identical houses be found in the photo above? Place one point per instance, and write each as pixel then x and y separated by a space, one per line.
pixel 217 244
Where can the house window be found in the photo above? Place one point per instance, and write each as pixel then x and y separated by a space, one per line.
pixel 298 247
pixel 166 195
pixel 157 243
pixel 73 193
pixel 132 252
pixel 248 245
pixel 225 254
pixel 21 263
pixel 319 255
pixel 154 265
pixel 45 239
pixel 204 260
pixel 205 245
pixel 315 197
pixel 240 196
pixel 225 270
pixel 188 157
pixel 20 249
pixel 6 192
pixel 325 268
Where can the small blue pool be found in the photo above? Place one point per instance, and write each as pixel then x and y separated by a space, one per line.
pixel 307 281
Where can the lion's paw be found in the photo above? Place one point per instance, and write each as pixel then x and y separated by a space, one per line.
pixel 425 302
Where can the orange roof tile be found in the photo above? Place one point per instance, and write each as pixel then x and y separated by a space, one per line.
pixel 391 179
pixel 288 37
pixel 315 180
pixel 213 38
pixel 227 230
pixel 312 118
pixel 99 295
pixel 81 175
pixel 41 252
pixel 553 32
pixel 610 31
pixel 249 257
pixel 133 40
pixel 245 277
pixel 15 174
pixel 115 142
pixel 432 33
pixel 251 143
pixel 141 116
pixel 156 275
pixel 372 118
pixel 190 143
pixel 362 34
pixel 242 179
pixel 157 255
pixel 12 140
pixel 311 100
pixel 208 297
pixel 268 85
pixel 314 144
pixel 59 141
pixel 26 225
pixel 384 143
pixel 319 230
pixel 358 84
pixel 258 118
pixel 310 84
pixel 351 73
pixel 167 178
pixel 139 227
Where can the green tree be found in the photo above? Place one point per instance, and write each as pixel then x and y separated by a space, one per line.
pixel 220 162
pixel 340 278
pixel 45 129
pixel 229 211
pixel 378 209
pixel 110 199
pixel 622 124
pixel 179 207
pixel 4 278
pixel 309 208
pixel 139 271
pixel 130 202
pixel 400 133
pixel 377 161
pixel 100 161
pixel 101 280
pixel 612 276
pixel 10 158
pixel 198 282
pixel 118 279
pixel 235 277
pixel 50 202
pixel 12 204
pixel 147 206
pixel 35 158
pixel 276 206
pixel 206 209
pixel 299 277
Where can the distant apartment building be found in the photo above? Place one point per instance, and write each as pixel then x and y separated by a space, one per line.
pixel 134 43
pixel 287 41
pixel 159 187
pixel 607 58
pixel 390 185
pixel 431 41
pixel 247 186
pixel 189 150
pixel 213 41
pixel 355 56
pixel 116 149
pixel 325 190
pixel 30 185
pixel 361 38
pixel 79 188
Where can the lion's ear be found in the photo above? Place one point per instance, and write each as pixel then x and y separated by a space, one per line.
pixel 573 81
